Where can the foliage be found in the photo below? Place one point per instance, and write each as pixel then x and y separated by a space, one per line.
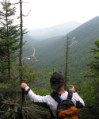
pixel 94 65
pixel 10 107
pixel 4 86
pixel 91 87
pixel 10 99
pixel 9 37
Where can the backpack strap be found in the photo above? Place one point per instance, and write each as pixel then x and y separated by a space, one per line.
pixel 56 96
pixel 70 94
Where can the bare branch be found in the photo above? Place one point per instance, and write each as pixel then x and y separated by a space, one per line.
pixel 17 3
pixel 27 14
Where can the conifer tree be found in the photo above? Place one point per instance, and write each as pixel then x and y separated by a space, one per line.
pixel 94 74
pixel 94 65
pixel 9 34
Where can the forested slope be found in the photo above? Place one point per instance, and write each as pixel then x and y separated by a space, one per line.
pixel 51 52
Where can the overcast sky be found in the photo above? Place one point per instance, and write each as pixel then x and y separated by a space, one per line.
pixel 47 13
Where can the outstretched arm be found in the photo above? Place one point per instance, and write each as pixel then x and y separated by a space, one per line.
pixel 34 98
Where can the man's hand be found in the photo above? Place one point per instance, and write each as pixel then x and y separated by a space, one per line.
pixel 23 85
pixel 72 88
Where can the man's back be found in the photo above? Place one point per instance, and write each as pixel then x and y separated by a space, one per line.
pixel 57 84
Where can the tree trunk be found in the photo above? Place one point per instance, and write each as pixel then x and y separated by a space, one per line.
pixel 21 42
pixel 66 66
pixel 8 49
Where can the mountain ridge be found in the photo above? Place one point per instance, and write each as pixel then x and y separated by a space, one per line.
pixel 57 30
pixel 51 52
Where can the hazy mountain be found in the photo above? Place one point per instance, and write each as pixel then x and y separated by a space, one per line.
pixel 51 52
pixel 87 31
pixel 58 30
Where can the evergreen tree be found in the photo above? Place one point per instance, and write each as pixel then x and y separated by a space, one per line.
pixel 9 34
pixel 3 68
pixel 94 65
pixel 94 74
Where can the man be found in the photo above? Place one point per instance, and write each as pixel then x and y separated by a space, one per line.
pixel 58 85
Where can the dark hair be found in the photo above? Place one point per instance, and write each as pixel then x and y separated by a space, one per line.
pixel 57 80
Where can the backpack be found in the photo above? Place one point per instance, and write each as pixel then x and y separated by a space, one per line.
pixel 65 108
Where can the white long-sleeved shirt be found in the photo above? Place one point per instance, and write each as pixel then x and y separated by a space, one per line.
pixel 50 101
